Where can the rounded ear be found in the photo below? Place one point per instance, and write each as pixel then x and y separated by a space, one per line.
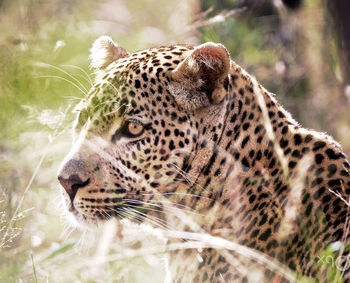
pixel 104 51
pixel 200 79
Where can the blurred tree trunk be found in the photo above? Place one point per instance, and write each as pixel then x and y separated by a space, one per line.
pixel 339 10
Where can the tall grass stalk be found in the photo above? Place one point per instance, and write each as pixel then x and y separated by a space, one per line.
pixel 11 222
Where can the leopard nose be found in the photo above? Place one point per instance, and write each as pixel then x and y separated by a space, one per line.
pixel 72 184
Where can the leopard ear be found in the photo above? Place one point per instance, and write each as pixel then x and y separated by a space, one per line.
pixel 200 79
pixel 104 51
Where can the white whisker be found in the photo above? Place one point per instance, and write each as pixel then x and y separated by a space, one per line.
pixel 81 69
pixel 65 72
pixel 62 78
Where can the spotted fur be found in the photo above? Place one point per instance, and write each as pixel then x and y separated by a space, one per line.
pixel 215 145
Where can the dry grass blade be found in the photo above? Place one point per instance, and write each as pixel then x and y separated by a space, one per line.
pixel 33 265
pixel 201 241
pixel 220 243
pixel 36 170
pixel 268 126
pixel 203 22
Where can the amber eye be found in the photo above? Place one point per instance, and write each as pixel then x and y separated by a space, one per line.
pixel 134 129
pixel 130 129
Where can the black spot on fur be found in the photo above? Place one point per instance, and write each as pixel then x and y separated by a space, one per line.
pixel 297 139
pixel 331 154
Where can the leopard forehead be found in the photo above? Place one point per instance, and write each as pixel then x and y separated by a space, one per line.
pixel 141 76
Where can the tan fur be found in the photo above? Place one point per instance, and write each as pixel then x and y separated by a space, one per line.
pixel 220 151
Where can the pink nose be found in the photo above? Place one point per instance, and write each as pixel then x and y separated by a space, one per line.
pixel 72 184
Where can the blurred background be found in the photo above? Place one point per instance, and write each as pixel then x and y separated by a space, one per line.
pixel 296 49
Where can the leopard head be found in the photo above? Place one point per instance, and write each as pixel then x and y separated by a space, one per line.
pixel 138 129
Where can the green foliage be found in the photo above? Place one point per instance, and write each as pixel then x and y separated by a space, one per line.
pixel 51 41
pixel 334 262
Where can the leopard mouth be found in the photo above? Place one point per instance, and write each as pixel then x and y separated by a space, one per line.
pixel 132 210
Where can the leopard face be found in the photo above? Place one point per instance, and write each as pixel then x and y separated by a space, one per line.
pixel 130 136
pixel 187 126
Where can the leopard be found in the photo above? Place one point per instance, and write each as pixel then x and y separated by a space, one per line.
pixel 183 138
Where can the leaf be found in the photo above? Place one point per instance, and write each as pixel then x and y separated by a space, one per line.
pixel 58 251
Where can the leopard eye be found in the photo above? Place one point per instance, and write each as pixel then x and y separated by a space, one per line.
pixel 134 129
